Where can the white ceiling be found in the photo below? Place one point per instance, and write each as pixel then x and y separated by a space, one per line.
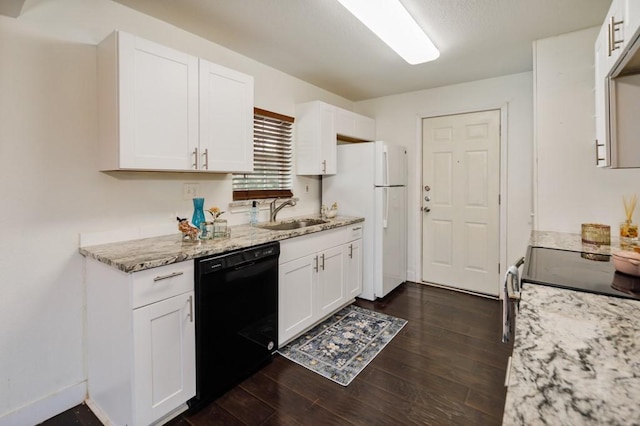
pixel 320 42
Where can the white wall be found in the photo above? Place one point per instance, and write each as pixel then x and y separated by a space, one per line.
pixel 51 190
pixel 398 121
pixel 570 189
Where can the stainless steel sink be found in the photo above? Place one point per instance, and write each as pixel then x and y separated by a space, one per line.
pixel 295 224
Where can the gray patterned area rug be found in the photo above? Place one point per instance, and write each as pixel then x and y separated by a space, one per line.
pixel 341 346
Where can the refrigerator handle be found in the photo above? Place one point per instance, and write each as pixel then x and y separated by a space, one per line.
pixel 385 154
pixel 386 207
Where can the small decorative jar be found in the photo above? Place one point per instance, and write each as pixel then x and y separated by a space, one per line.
pixel 596 234
pixel 206 230
pixel 220 228
pixel 628 230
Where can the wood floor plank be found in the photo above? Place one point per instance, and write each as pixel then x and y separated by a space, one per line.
pixel 445 367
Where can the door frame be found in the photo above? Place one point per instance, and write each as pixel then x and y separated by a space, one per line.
pixel 504 130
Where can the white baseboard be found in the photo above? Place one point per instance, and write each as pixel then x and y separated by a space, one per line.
pixel 97 411
pixel 47 407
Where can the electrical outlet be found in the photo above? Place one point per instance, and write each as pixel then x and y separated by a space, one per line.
pixel 190 190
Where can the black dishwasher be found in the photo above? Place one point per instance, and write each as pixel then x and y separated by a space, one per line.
pixel 236 296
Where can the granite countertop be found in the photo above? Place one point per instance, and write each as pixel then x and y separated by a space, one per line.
pixel 138 255
pixel 575 358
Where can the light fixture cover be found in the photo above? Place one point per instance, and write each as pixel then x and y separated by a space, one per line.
pixel 389 20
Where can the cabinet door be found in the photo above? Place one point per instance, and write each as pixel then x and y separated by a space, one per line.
pixel 345 123
pixel 226 119
pixel 296 283
pixel 601 107
pixel 164 357
pixel 315 139
pixel 328 141
pixel 354 125
pixel 158 105
pixel 365 128
pixel 631 19
pixel 331 288
pixel 353 266
pixel 616 40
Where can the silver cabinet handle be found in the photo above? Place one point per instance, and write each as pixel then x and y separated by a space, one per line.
pixel 598 158
pixel 613 27
pixel 190 308
pixel 357 228
pixel 322 266
pixel 195 158
pixel 350 251
pixel 324 166
pixel 315 259
pixel 164 277
pixel 206 159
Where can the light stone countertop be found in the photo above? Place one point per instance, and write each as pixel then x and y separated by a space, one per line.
pixel 576 360
pixel 576 355
pixel 138 255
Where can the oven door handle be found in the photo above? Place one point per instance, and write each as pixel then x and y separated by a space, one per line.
pixel 510 300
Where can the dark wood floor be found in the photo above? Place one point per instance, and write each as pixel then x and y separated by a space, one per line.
pixel 446 366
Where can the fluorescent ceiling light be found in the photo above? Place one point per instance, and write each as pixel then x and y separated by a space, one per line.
pixel 390 21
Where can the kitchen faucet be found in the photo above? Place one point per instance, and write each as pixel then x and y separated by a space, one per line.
pixel 273 210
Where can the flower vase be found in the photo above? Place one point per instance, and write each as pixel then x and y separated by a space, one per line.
pixel 198 212
pixel 220 228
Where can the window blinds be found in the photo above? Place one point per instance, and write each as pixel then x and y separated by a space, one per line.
pixel 272 156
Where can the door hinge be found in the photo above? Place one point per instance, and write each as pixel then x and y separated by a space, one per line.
pixel 498 267
pixel 499 199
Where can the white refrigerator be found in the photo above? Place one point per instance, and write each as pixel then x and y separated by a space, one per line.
pixel 371 181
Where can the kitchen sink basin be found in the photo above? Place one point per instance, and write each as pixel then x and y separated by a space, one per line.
pixel 295 224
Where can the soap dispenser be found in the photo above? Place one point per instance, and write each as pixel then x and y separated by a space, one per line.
pixel 253 218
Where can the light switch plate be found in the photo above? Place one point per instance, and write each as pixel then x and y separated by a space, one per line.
pixel 190 190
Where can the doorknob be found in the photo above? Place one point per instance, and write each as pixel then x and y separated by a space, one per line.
pixel 427 198
pixel 426 209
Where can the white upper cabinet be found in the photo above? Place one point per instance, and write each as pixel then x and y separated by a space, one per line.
pixel 617 87
pixel 632 19
pixel 226 119
pixel 315 139
pixel 601 81
pixel 162 109
pixel 615 31
pixel 350 125
pixel 148 106
pixel 318 128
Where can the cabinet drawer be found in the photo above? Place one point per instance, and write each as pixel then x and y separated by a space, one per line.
pixel 355 231
pixel 153 285
pixel 305 245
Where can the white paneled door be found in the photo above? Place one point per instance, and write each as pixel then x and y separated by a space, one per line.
pixel 460 199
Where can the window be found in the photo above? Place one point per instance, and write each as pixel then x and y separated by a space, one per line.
pixel 271 176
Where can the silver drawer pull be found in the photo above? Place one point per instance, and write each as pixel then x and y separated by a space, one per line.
pixel 164 277
pixel 356 229
pixel 190 308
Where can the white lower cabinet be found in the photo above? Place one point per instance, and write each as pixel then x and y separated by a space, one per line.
pixel 353 265
pixel 331 280
pixel 315 278
pixel 140 342
pixel 164 345
pixel 296 296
